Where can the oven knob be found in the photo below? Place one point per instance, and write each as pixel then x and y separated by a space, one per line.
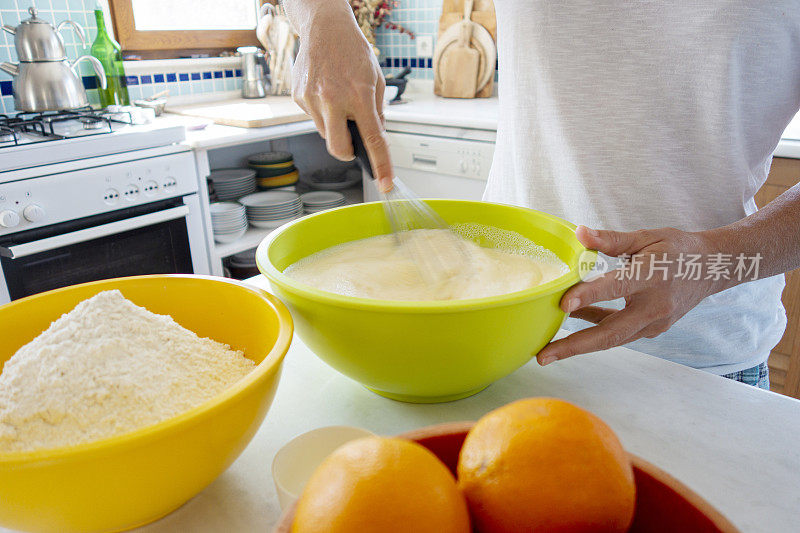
pixel 33 213
pixel 463 167
pixel 8 219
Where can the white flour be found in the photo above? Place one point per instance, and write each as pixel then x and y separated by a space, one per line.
pixel 377 267
pixel 106 368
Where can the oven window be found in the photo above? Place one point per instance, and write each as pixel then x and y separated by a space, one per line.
pixel 161 248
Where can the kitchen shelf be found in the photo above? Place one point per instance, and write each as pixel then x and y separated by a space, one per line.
pixel 251 239
pixel 254 236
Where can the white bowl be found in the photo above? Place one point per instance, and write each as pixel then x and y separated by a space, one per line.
pixel 274 216
pixel 229 230
pixel 317 198
pixel 229 218
pixel 221 230
pixel 223 208
pixel 225 238
pixel 271 224
pixel 232 175
pixel 297 459
pixel 273 208
pixel 270 199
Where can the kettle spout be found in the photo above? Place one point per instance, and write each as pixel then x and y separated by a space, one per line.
pixel 10 29
pixel 10 68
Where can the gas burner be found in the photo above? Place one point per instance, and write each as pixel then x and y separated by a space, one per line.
pixel 7 135
pixel 30 128
pixel 92 123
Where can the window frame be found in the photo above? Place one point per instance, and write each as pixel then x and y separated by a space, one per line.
pixel 160 44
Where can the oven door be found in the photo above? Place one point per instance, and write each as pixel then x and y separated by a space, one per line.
pixel 148 239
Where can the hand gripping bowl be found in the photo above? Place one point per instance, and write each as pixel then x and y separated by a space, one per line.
pixel 130 480
pixel 663 504
pixel 422 352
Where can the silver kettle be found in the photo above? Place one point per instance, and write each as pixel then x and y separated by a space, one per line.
pixel 36 39
pixel 50 85
pixel 255 82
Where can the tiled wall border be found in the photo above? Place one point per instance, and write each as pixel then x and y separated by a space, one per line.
pixel 216 75
pixel 144 85
pixel 397 51
pixel 184 83
pixel 402 62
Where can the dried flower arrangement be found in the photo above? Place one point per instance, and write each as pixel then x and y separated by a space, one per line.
pixel 372 14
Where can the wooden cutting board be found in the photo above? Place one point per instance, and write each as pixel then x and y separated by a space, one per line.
pixel 483 14
pixel 246 113
pixel 461 72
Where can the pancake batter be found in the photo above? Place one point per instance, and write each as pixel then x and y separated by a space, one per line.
pixel 379 267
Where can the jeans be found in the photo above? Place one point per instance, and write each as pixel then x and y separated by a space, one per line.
pixel 757 376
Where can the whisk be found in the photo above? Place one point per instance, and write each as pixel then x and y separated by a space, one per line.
pixel 406 212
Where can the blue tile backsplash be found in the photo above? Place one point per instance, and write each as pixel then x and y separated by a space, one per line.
pixel 82 12
pixel 54 11
pixel 397 49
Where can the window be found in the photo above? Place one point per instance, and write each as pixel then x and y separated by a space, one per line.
pixel 174 28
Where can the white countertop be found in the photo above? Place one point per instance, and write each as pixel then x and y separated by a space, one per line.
pixel 421 107
pixel 418 108
pixel 217 136
pixel 734 444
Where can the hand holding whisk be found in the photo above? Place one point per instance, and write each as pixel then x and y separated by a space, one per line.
pixel 406 213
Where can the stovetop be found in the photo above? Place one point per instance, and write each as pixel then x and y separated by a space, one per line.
pixel 35 139
pixel 28 128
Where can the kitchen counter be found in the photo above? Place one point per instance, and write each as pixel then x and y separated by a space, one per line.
pixel 734 444
pixel 217 136
pixel 418 108
pixel 421 107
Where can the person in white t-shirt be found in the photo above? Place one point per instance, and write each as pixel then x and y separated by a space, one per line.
pixel 623 116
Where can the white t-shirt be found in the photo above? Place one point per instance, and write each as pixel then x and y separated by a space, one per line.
pixel 629 115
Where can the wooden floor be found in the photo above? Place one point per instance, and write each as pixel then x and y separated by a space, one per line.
pixel 784 362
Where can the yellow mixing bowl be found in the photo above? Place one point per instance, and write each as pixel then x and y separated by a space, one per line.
pixel 422 351
pixel 133 479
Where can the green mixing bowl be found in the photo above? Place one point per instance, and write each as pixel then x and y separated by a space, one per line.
pixel 424 352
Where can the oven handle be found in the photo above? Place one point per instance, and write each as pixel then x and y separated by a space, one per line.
pixel 88 234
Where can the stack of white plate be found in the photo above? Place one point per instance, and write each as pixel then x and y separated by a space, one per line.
pixel 228 220
pixel 270 209
pixel 233 183
pixel 316 201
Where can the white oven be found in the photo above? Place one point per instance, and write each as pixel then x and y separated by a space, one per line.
pixel 436 166
pixel 101 217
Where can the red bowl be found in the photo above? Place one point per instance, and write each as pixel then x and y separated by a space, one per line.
pixel 663 504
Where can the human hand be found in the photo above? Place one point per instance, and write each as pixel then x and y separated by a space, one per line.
pixel 655 290
pixel 336 77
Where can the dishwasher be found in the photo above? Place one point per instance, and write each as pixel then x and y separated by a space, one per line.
pixel 436 166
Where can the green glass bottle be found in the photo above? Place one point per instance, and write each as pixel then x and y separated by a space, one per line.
pixel 109 53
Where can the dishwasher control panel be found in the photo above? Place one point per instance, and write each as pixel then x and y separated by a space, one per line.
pixel 439 155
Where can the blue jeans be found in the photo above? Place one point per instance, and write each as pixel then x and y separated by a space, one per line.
pixel 757 376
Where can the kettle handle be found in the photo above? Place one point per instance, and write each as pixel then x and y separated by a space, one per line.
pixel 10 68
pixel 77 28
pixel 98 68
pixel 261 60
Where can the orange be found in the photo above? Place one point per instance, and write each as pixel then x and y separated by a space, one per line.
pixel 545 465
pixel 381 485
